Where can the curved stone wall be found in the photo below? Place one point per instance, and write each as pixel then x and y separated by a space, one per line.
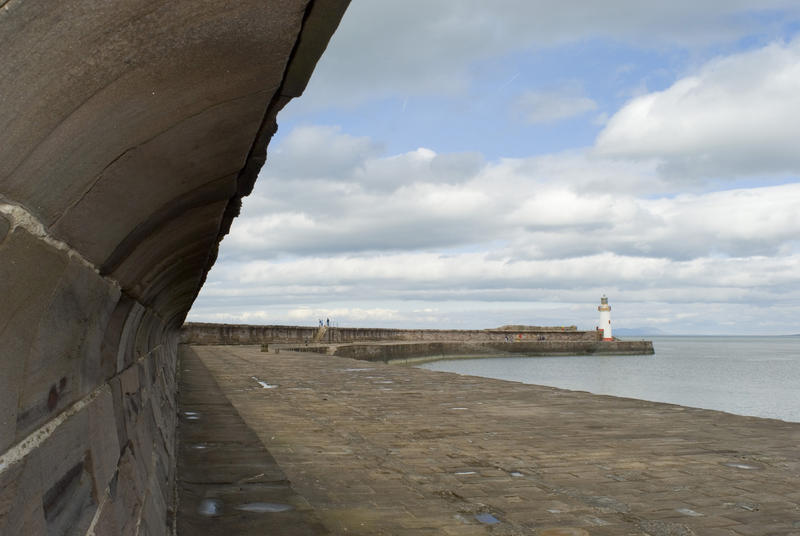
pixel 129 131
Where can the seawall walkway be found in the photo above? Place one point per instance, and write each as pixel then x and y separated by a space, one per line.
pixel 367 448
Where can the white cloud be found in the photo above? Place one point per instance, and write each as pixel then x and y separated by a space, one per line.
pixel 512 241
pixel 735 116
pixel 344 314
pixel 478 291
pixel 556 206
pixel 416 47
pixel 550 106
pixel 405 276
pixel 319 152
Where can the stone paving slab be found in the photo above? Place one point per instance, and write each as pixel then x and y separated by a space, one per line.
pixel 386 449
pixel 228 484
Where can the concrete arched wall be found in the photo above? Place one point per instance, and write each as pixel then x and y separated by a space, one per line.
pixel 129 131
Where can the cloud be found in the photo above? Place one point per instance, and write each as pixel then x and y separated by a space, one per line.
pixel 319 152
pixel 477 291
pixel 386 48
pixel 551 207
pixel 311 315
pixel 340 226
pixel 471 275
pixel 736 116
pixel 541 107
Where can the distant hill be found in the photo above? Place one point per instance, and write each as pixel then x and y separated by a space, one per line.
pixel 639 331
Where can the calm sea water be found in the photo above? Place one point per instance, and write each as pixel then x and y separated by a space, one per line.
pixel 758 376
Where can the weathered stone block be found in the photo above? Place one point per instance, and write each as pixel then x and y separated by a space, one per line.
pixel 154 514
pixel 21 498
pixel 103 440
pixel 110 347
pixel 107 520
pixel 130 490
pixel 68 494
pixel 63 364
pixel 167 248
pixel 144 332
pixel 118 400
pixel 29 273
pixel 5 225
pixel 182 158
pixel 126 354
pixel 69 503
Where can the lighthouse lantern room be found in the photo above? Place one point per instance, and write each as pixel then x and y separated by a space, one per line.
pixel 605 318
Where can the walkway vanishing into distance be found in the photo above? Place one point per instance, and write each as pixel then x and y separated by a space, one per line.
pixel 296 443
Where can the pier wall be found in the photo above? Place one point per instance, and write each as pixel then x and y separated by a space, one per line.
pixel 129 132
pixel 206 333
pixel 399 351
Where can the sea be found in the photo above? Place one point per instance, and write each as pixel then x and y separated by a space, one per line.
pixel 756 376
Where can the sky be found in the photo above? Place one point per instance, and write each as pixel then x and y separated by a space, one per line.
pixel 473 164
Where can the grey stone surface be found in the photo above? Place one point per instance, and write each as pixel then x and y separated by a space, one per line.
pixel 70 328
pixel 223 463
pixel 159 65
pixel 21 509
pixel 111 350
pixel 389 449
pixel 29 273
pixel 68 494
pixel 103 443
pixel 129 131
pixel 186 156
pixel 5 225
pixel 169 249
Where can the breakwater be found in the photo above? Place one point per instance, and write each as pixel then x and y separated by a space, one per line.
pixel 207 333
pixel 384 344
pixel 435 350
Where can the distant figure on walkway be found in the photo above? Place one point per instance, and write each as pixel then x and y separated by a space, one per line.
pixel 320 322
pixel 328 322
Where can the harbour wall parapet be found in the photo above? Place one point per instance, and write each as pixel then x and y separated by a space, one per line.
pixel 227 334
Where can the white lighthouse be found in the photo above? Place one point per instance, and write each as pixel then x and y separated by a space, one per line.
pixel 605 318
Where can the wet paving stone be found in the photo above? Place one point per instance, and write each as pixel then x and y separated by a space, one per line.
pixel 487 519
pixel 264 508
pixel 439 452
pixel 228 483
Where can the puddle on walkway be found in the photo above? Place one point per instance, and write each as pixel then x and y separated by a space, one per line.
pixel 210 507
pixel 486 518
pixel 516 473
pixel 689 512
pixel 356 369
pixel 264 507
pixel 459 408
pixel 740 465
pixel 191 415
pixel 264 384
pixel 465 473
